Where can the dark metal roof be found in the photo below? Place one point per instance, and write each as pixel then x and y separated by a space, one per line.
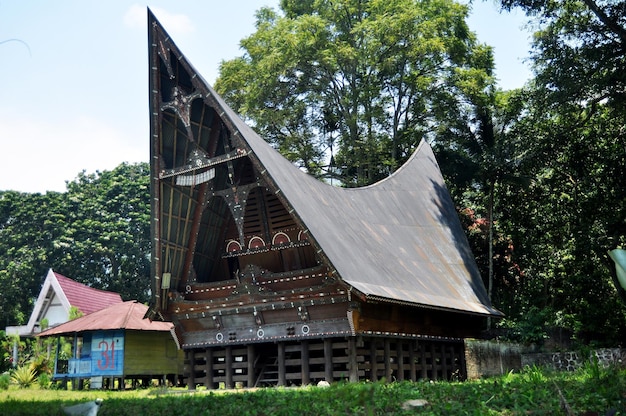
pixel 399 239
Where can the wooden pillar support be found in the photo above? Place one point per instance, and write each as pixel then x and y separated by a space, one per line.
pixel 282 379
pixel 400 359
pixel 422 348
pixel 328 359
pixel 228 364
pixel 433 361
pixel 388 370
pixel 209 368
pixel 251 361
pixel 304 358
pixel 191 368
pixel 412 364
pixel 353 365
pixel 373 361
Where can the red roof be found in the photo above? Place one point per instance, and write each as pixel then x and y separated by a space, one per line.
pixel 125 315
pixel 85 298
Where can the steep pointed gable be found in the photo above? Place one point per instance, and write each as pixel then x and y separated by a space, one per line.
pixel 398 241
pixel 58 294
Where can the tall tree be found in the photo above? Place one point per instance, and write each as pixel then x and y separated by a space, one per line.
pixel 97 232
pixel 358 83
pixel 574 212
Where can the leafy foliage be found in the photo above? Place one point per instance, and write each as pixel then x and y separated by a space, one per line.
pixel 359 83
pixel 23 376
pixel 96 233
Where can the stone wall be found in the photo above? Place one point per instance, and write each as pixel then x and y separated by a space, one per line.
pixel 492 358
pixel 572 360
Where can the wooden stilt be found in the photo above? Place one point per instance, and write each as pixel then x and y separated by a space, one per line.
pixel 353 365
pixel 412 364
pixel 388 371
pixel 373 361
pixel 251 360
pixel 228 361
pixel 209 368
pixel 282 379
pixel 328 359
pixel 400 360
pixel 191 368
pixel 422 348
pixel 304 358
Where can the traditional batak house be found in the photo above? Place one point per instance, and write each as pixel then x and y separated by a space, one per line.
pixel 272 277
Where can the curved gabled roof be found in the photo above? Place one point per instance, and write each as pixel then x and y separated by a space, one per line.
pixel 398 240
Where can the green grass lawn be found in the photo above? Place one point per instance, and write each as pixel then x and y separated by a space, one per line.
pixel 531 392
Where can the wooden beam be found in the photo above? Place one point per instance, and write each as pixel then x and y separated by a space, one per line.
pixel 328 360
pixel 304 358
pixel 228 366
pixel 373 361
pixel 191 365
pixel 353 365
pixel 388 371
pixel 251 361
pixel 281 364
pixel 400 359
pixel 413 367
pixel 209 368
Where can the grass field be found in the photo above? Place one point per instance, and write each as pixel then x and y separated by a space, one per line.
pixel 534 391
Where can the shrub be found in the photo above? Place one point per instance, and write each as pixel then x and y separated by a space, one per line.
pixel 5 380
pixel 44 381
pixel 23 376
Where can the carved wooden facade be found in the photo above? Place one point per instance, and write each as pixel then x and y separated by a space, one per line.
pixel 272 277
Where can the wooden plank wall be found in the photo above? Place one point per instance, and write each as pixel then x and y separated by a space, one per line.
pixel 332 359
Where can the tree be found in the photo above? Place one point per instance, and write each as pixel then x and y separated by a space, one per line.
pixel 107 239
pixel 356 83
pixel 574 211
pixel 97 232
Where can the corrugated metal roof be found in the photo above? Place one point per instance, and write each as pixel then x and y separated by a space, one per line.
pixel 85 298
pixel 126 315
pixel 399 239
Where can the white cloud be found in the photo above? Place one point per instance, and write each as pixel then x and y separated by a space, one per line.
pixel 40 156
pixel 180 24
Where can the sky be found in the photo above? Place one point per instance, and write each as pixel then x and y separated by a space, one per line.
pixel 74 76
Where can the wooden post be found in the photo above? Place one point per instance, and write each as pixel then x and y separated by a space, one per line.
pixel 209 368
pixel 413 367
pixel 328 359
pixel 433 360
pixel 444 361
pixel 462 363
pixel 304 358
pixel 191 368
pixel 388 360
pixel 282 379
pixel 353 365
pixel 400 360
pixel 228 364
pixel 373 360
pixel 251 360
pixel 423 359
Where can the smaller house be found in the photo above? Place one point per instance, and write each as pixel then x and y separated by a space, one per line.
pixel 58 294
pixel 117 343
